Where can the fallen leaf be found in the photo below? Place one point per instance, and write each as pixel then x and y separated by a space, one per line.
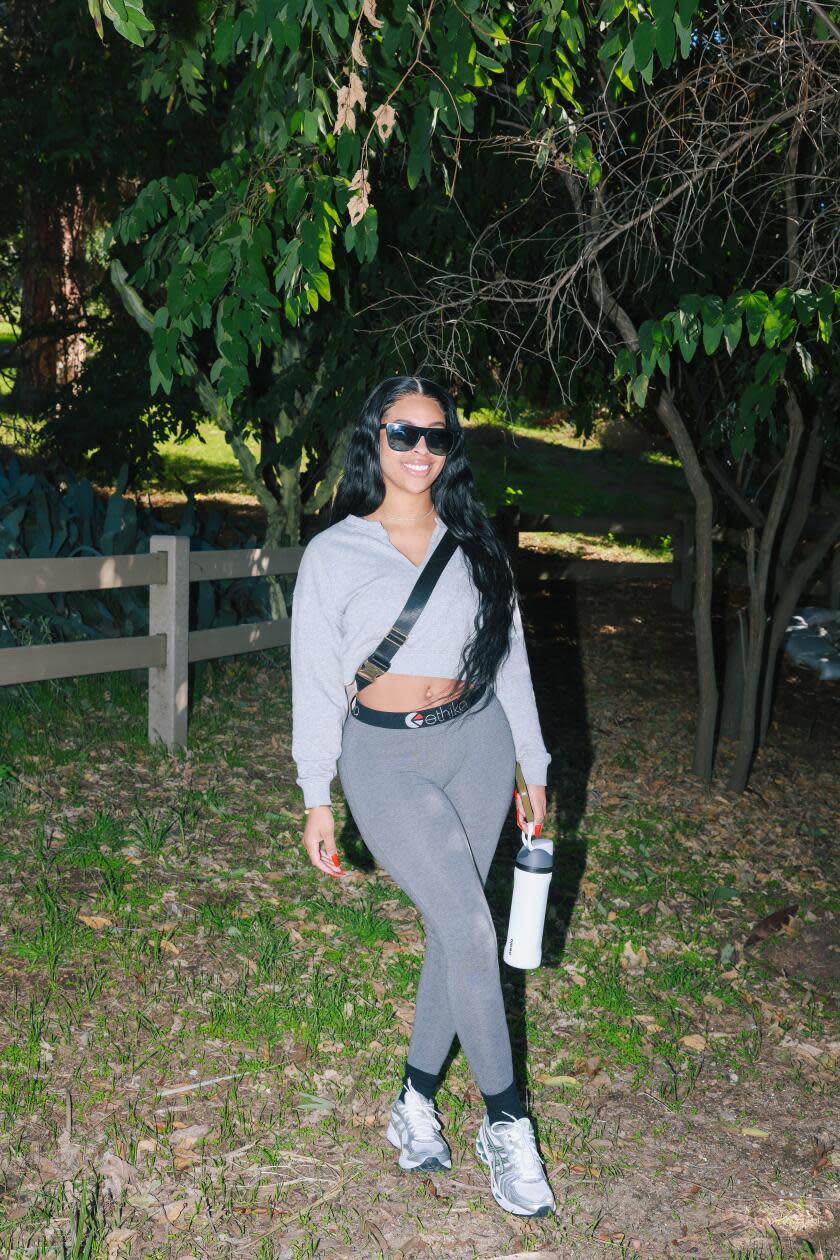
pixel 173 1210
pixel 694 1041
pixel 117 1238
pixel 377 1236
pixel 633 961
pixel 187 1137
pixel 96 921
pixel 774 922
pixel 117 1173
pixel 755 1132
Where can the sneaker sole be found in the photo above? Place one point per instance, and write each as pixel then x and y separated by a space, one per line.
pixel 544 1210
pixel 430 1164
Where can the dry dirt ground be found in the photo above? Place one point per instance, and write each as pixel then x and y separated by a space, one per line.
pixel 679 1047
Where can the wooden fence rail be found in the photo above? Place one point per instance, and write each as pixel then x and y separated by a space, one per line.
pixel 169 647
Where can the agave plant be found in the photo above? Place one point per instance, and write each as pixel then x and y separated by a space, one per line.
pixel 38 520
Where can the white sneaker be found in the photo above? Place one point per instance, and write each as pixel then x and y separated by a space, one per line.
pixel 415 1130
pixel 517 1176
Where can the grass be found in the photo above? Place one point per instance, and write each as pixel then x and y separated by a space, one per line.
pixel 546 469
pixel 211 949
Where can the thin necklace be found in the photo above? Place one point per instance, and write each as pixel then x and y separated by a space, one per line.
pixel 390 517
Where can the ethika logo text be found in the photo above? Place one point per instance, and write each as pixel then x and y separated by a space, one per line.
pixel 439 714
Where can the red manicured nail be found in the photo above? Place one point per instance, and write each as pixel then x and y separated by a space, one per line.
pixel 537 829
pixel 335 859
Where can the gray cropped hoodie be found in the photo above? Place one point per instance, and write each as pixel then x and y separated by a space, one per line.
pixel 351 586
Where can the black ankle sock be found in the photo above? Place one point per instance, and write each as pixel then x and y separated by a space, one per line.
pixel 503 1105
pixel 425 1083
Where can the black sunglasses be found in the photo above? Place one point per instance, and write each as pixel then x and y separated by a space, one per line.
pixel 403 436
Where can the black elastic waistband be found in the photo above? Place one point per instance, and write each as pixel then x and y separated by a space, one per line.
pixel 415 719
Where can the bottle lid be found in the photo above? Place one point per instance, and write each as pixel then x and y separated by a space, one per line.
pixel 536 856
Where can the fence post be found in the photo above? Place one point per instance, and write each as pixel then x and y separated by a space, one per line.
pixel 682 586
pixel 169 616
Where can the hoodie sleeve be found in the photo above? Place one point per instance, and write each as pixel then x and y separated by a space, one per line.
pixel 319 699
pixel 515 691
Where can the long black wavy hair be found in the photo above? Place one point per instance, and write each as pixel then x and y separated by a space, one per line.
pixel 362 490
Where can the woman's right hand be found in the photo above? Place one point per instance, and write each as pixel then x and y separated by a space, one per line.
pixel 319 840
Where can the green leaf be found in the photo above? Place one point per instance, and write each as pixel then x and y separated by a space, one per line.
pixel 732 333
pixel 322 283
pixel 756 306
pixel 763 365
pixel 96 14
pixel 712 334
pixel 644 40
pixel 419 156
pixel 805 303
pixel 688 347
pixel 666 41
pixel 295 197
pixel 640 388
pixel 691 303
pixel 825 300
pixel 138 18
pixel 223 40
pixel 625 362
pixel 684 32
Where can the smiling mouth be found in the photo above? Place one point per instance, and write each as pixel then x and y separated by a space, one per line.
pixel 417 469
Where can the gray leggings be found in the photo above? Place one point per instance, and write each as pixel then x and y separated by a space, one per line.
pixel 430 803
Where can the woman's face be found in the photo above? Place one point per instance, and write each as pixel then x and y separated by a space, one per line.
pixel 415 470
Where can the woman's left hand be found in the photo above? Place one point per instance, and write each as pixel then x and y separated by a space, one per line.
pixel 536 791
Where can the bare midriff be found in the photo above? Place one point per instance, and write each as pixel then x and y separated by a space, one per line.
pixel 397 693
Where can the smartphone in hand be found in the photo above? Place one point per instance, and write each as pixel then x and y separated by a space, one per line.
pixel 521 791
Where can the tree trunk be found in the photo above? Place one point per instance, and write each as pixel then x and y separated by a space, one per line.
pixel 803 497
pixel 758 570
pixel 733 682
pixel 669 414
pixel 50 352
pixel 704 735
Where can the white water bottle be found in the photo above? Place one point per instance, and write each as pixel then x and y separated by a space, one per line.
pixel 531 878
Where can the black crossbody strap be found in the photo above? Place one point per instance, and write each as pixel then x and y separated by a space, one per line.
pixel 379 661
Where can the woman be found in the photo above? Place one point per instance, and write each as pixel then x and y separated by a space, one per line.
pixel 426 752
